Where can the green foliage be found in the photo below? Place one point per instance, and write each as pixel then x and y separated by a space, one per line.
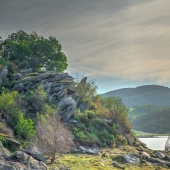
pixel 25 128
pixel 118 113
pixel 32 51
pixel 150 118
pixel 4 62
pixel 35 101
pixel 8 84
pixel 7 100
pixel 86 88
pixel 3 140
pixel 14 116
pixel 93 129
pixel 115 106
pixel 90 114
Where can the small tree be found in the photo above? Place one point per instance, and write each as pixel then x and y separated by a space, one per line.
pixel 15 118
pixel 51 137
pixel 86 88
pixel 118 113
pixel 115 106
pixel 33 51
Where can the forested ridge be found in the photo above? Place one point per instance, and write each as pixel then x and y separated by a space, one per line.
pixel 158 95
pixel 150 118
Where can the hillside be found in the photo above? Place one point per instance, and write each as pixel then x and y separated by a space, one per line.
pixel 147 94
pixel 45 112
pixel 151 119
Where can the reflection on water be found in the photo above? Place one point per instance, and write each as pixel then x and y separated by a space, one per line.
pixel 155 143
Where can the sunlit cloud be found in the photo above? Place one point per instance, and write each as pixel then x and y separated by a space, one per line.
pixel 125 41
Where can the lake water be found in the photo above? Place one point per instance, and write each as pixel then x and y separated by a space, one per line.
pixel 155 143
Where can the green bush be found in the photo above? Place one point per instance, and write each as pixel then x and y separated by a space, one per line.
pixel 25 128
pixel 14 116
pixel 4 62
pixel 91 128
pixel 33 51
pixel 90 114
pixel 8 83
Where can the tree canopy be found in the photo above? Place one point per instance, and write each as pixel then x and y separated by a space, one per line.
pixel 118 113
pixel 33 51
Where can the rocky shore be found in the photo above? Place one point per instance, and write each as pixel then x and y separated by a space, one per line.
pixel 124 157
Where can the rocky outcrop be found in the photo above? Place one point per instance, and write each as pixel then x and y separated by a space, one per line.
pixel 57 86
pixel 19 160
pixel 3 74
pixel 12 142
pixel 67 108
pixel 85 149
pixel 35 154
pixel 131 159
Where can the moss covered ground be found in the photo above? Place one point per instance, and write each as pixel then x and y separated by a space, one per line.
pixel 102 161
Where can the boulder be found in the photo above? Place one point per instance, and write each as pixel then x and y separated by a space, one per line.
pixel 116 164
pixel 47 85
pixel 167 158
pixel 73 121
pixel 67 108
pixel 26 71
pixel 60 95
pixel 56 89
pixel 70 91
pixel 16 76
pixel 144 155
pixel 23 161
pixel 4 73
pixel 58 77
pixel 4 153
pixel 131 159
pixel 159 155
pixel 159 161
pixel 89 150
pixel 35 154
pixel 13 142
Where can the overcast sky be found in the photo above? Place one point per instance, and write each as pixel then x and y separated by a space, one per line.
pixel 119 43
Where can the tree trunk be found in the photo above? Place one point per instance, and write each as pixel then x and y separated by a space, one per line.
pixel 52 159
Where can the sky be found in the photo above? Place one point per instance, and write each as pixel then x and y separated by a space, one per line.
pixel 117 43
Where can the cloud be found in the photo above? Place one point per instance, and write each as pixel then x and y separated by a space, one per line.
pixel 127 40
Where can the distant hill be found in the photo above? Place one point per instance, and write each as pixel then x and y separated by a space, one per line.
pixel 143 95
pixel 150 118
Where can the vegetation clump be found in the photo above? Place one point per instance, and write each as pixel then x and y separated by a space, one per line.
pixel 51 137
pixel 14 117
pixel 21 50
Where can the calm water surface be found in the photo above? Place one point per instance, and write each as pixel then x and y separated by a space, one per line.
pixel 155 143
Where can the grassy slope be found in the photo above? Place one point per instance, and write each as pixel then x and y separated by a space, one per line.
pixel 99 162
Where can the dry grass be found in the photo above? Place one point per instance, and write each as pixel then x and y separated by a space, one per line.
pixel 100 162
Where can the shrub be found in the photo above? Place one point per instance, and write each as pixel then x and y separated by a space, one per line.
pixel 86 88
pixel 14 116
pixel 51 137
pixel 90 114
pixel 33 51
pixel 25 128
